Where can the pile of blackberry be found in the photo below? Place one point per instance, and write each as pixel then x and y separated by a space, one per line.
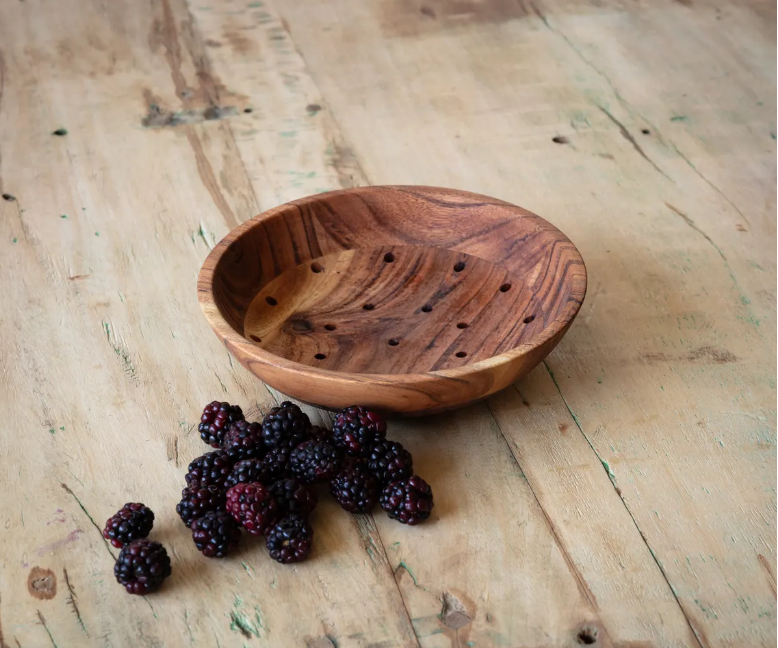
pixel 261 478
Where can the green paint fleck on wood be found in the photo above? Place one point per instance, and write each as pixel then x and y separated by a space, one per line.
pixel 772 135
pixel 14 240
pixel 97 233
pixel 62 428
pixel 607 467
pixel 239 623
pixel 288 133
pixel 52 431
pixel 61 132
pixel 410 573
pixel 599 381
pixel 678 118
pixel 63 215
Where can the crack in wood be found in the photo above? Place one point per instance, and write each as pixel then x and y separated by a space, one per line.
pixel 72 601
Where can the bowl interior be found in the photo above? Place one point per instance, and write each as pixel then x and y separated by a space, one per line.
pixel 395 280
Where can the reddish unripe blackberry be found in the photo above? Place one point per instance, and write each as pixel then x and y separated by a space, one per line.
pixel 215 420
pixel 315 461
pixel 355 488
pixel 132 521
pixel 211 468
pixel 246 472
pixel 290 540
pixel 198 499
pixel 285 426
pixel 390 462
pixel 293 497
pixel 253 507
pixel 408 501
pixel 356 429
pixel 215 534
pixel 243 440
pixel 277 464
pixel 142 566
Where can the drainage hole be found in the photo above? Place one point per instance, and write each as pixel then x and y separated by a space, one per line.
pixel 329 327
pixel 255 338
pixel 271 300
pixel 460 354
pixel 427 308
pixel 462 325
pixel 394 342
pixel 320 356
pixel 529 319
pixel 368 306
pixel 459 266
pixel 388 257
pixel 505 287
pixel 317 267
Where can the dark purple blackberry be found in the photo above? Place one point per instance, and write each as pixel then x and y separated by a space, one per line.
pixel 285 426
pixel 132 521
pixel 253 507
pixel 215 534
pixel 290 540
pixel 142 566
pixel 216 419
pixel 243 440
pixel 319 433
pixel 246 472
pixel 211 468
pixel 315 461
pixel 293 497
pixel 355 488
pixel 408 501
pixel 276 463
pixel 390 462
pixel 197 500
pixel 356 429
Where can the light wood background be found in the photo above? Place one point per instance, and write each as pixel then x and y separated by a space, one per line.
pixel 623 493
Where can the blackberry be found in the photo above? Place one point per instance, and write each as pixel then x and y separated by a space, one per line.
pixel 215 534
pixel 276 463
pixel 290 540
pixel 142 566
pixel 216 419
pixel 211 468
pixel 356 429
pixel 247 471
pixel 355 488
pixel 253 507
pixel 198 499
pixel 285 426
pixel 132 521
pixel 319 433
pixel 408 501
pixel 293 497
pixel 315 461
pixel 390 462
pixel 243 440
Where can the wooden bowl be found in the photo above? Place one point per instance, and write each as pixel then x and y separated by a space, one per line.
pixel 406 299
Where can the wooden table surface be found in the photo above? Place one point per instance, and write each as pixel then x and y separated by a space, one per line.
pixel 621 495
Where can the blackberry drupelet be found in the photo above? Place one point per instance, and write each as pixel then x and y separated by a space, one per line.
pixel 277 464
pixel 243 440
pixel 356 429
pixel 390 462
pixel 215 534
pixel 253 507
pixel 198 499
pixel 285 426
pixel 215 420
pixel 290 540
pixel 131 522
pixel 246 472
pixel 211 468
pixel 319 433
pixel 355 488
pixel 142 566
pixel 293 497
pixel 408 501
pixel 315 461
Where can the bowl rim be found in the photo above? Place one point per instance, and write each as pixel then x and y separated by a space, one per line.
pixel 232 339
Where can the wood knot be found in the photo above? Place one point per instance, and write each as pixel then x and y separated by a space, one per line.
pixel 454 614
pixel 587 635
pixel 42 583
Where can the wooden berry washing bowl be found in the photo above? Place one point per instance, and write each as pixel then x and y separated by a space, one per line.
pixel 406 299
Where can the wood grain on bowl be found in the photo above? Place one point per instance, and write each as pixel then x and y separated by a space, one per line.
pixel 408 299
